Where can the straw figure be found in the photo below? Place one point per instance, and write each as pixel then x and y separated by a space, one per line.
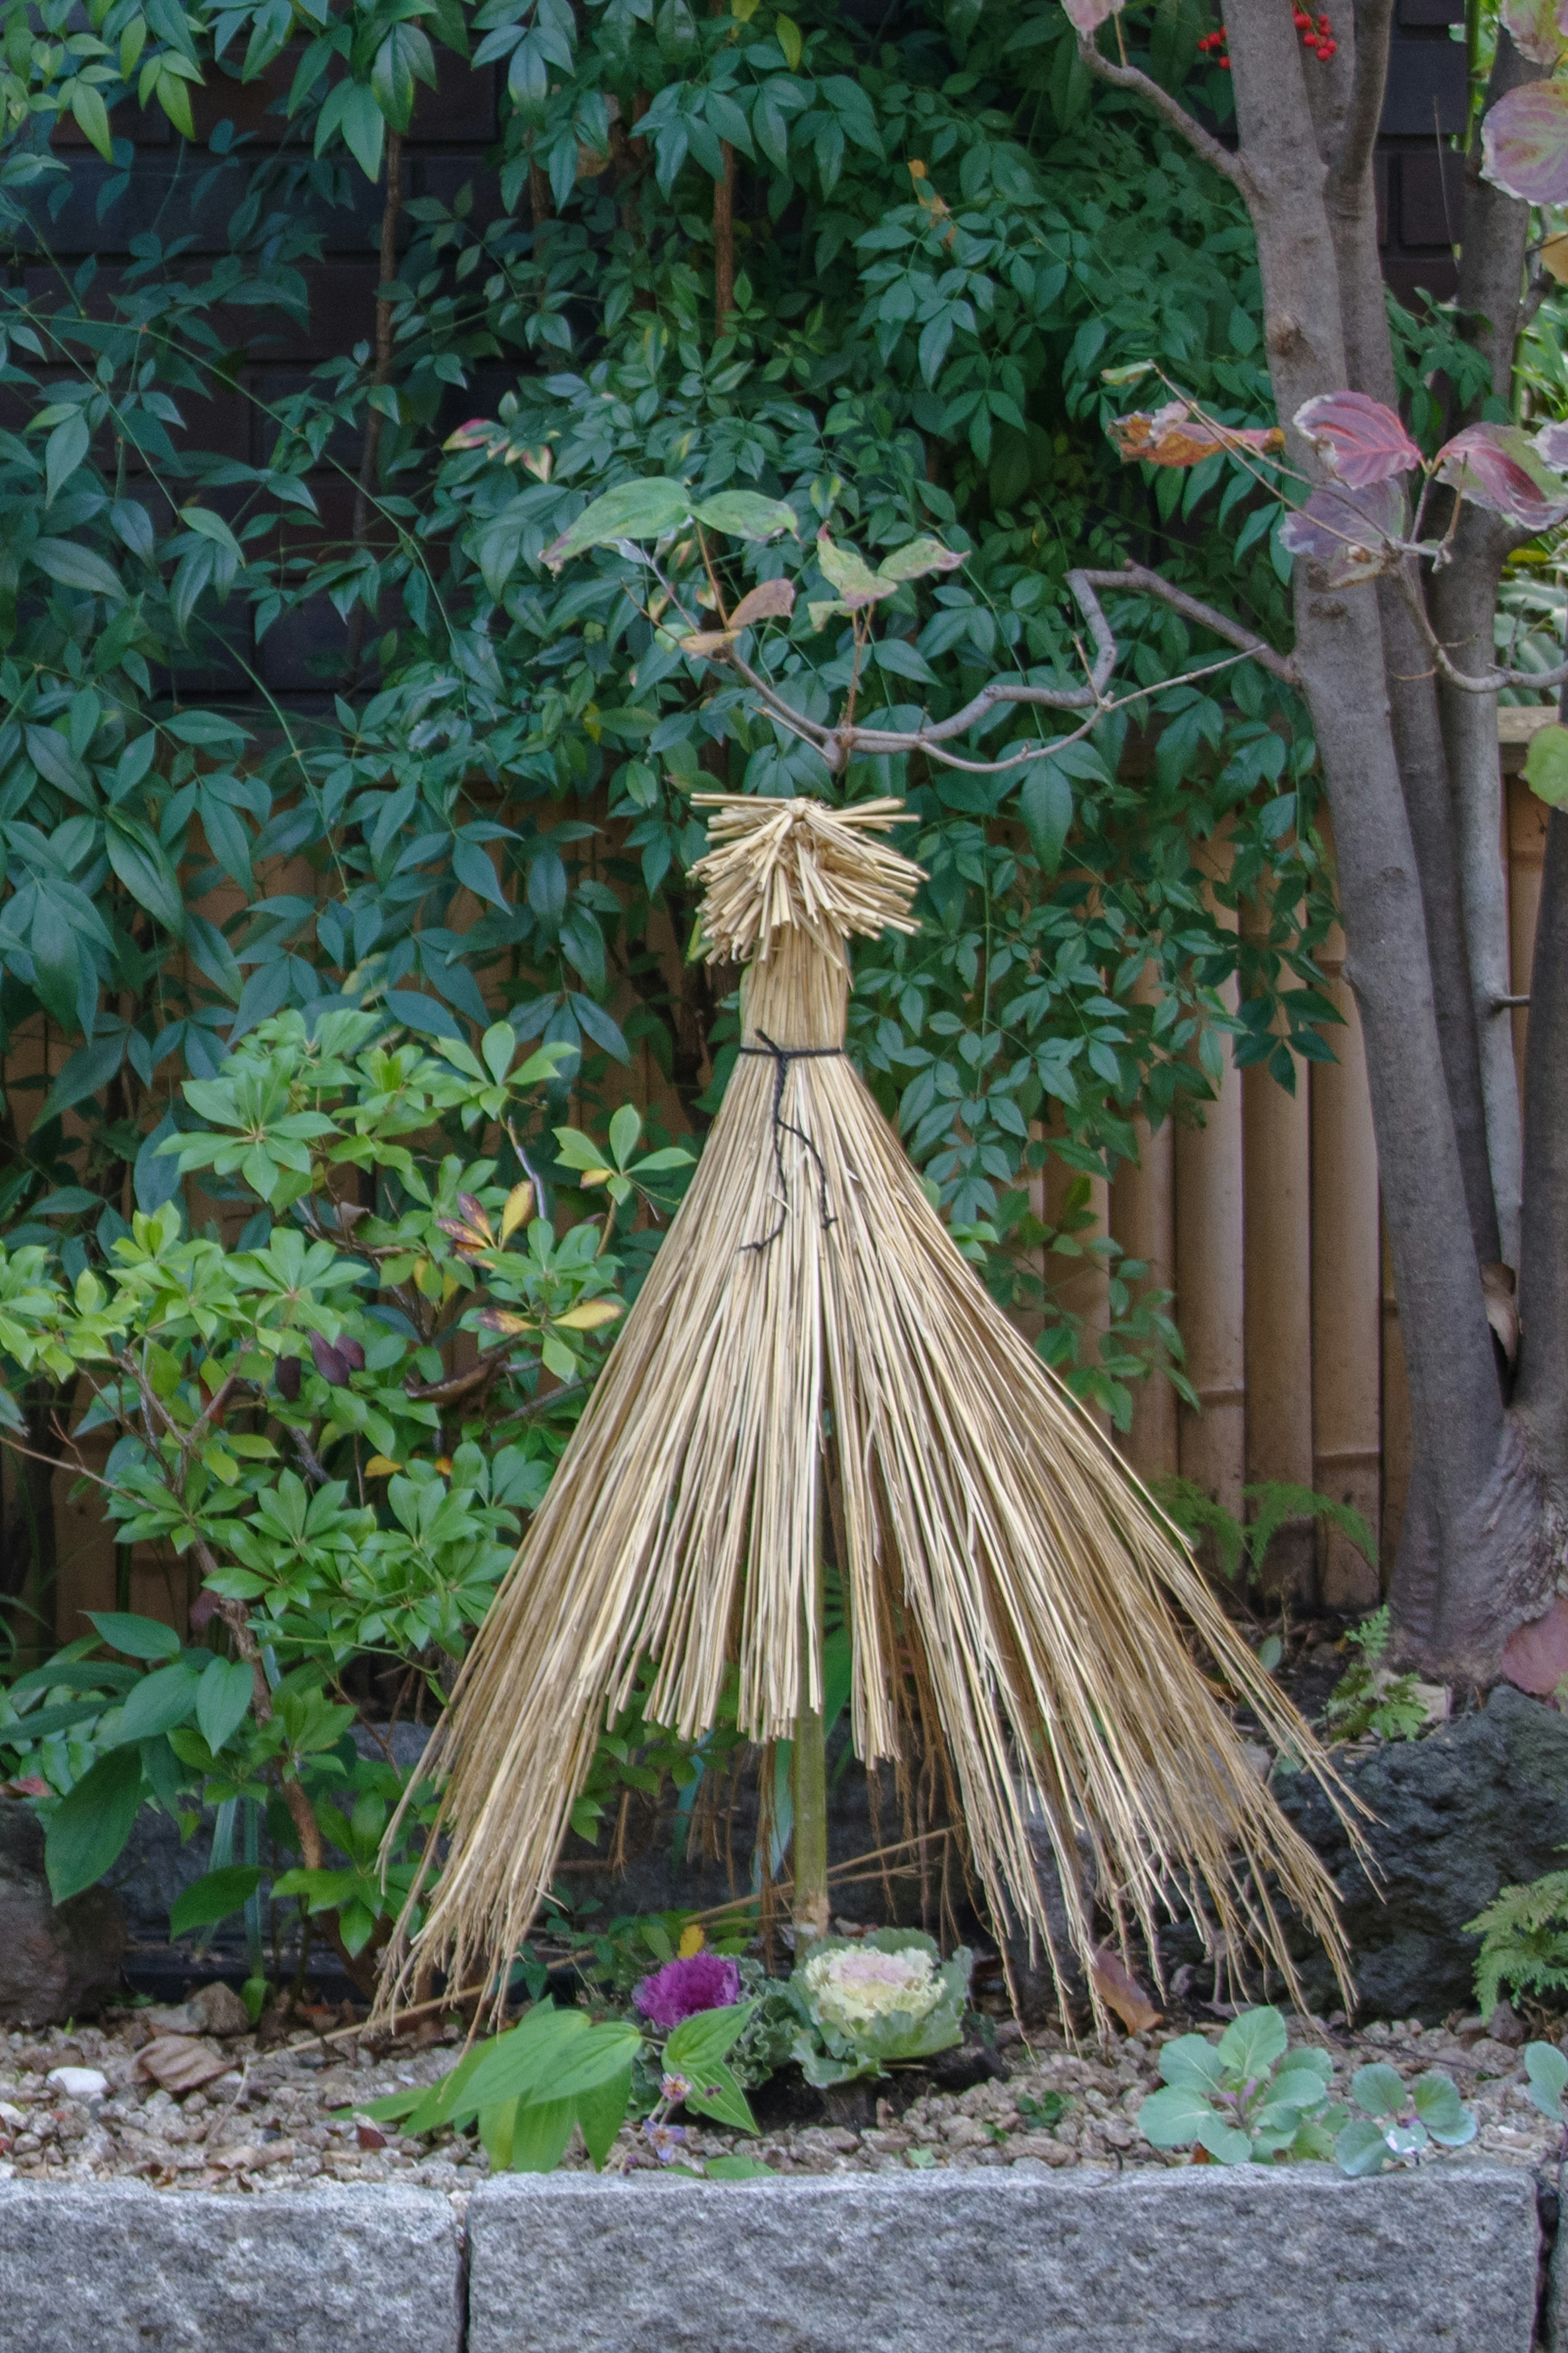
pixel 1011 1593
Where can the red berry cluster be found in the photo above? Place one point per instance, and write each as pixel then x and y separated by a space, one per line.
pixel 1216 41
pixel 1316 34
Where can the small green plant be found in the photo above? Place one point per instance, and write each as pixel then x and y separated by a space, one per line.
pixel 1041 2114
pixel 1368 1698
pixel 1524 1941
pixel 1546 2080
pixel 1399 2120
pixel 865 2004
pixel 1248 2099
pixel 1245 1543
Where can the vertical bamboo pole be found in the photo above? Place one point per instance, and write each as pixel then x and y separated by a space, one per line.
pixel 1143 1220
pixel 1212 1443
pixel 1346 1294
pixel 1081 1286
pixel 808 1783
pixel 1276 1227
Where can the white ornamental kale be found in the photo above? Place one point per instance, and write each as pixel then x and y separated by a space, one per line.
pixel 886 1997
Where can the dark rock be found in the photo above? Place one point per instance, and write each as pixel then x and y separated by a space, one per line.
pixel 56 1959
pixel 1479 1805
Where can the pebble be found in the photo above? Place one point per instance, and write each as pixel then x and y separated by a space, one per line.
pixel 79 2082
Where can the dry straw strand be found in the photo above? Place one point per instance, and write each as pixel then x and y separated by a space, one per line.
pixel 1002 1566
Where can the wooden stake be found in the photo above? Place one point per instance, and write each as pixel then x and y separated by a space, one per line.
pixel 808 1781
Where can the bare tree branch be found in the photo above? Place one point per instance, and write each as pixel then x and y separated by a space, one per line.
pixel 1202 142
pixel 1489 681
pixel 1205 617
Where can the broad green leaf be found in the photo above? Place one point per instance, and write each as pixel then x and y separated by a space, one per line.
pixel 88 1830
pixel 216 1896
pixel 138 1638
pixel 63 453
pixel 746 516
pixel 918 558
pixel 1436 2101
pixel 158 1703
pixel 642 510
pixel 541 2133
pixel 844 569
pixel 76 567
pixel 1546 765
pixel 143 865
pixel 225 1695
pixel 602 2112
pixel 1224 2143
pixel 208 525
pixel 1361 2149
pixel 1379 2089
pixel 1174 2116
pixel 716 2092
pixel 1547 2071
pixel 1253 2042
pixel 701 2041
pixel 1045 799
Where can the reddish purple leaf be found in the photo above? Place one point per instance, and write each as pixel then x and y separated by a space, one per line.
pixel 1359 440
pixel 287 1377
pixel 1538 28
pixel 1348 535
pixel 1551 446
pixel 1524 141
pixel 1088 15
pixel 1498 467
pixel 331 1362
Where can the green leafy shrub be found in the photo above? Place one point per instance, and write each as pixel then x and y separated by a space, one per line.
pixel 866 2003
pixel 1524 1941
pixel 1248 2099
pixel 1367 1698
pixel 329 1432
pixel 1399 2121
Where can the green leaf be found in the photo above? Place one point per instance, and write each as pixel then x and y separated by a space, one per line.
pixel 158 1703
pixel 88 1830
pixel 141 863
pixel 716 2092
pixel 1045 799
pixel 1546 765
pixel 642 510
pixel 1190 2063
pixel 227 1687
pixel 1359 2148
pixel 92 120
pixel 208 525
pixel 1224 2143
pixel 65 450
pixel 540 2137
pixel 699 2042
pixel 738 2168
pixel 214 1898
pixel 1253 2042
pixel 1174 2116
pixel 848 571
pixel 1435 2099
pixel 76 567
pixel 918 558
pixel 1547 2071
pixel 747 516
pixel 1379 2089
pixel 138 1638
pixel 602 2112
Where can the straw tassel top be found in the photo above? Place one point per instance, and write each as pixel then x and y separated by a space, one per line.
pixel 798 867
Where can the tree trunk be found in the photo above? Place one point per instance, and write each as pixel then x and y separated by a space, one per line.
pixel 1542 1388
pixel 1477 1510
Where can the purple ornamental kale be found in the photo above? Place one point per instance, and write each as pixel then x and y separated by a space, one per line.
pixel 681 1989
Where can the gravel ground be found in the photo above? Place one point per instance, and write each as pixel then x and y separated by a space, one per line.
pixel 263 2116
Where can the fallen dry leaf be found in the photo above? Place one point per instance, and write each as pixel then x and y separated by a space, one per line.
pixel 370 2136
pixel 181 2063
pixel 253 2157
pixel 1115 1983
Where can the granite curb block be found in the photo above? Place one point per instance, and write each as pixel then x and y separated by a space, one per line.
pixel 1208 2261
pixel 116 2267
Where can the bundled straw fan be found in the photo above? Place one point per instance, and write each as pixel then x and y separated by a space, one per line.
pixel 1010 1587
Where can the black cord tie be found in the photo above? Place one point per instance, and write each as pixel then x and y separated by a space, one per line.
pixel 781 1056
